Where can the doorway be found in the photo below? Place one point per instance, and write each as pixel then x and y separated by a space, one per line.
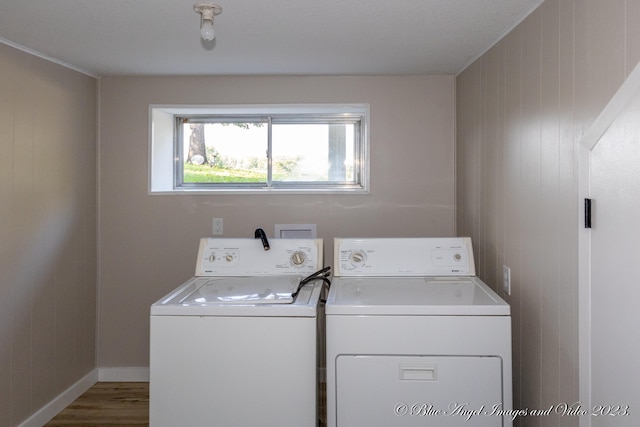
pixel 609 261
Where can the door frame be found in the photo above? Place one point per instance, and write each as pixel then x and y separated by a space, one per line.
pixel 589 140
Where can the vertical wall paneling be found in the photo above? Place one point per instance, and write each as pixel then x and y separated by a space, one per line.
pixel 47 232
pixel 21 284
pixel 632 35
pixel 531 219
pixel 6 237
pixel 556 72
pixel 567 202
pixel 549 201
pixel 513 196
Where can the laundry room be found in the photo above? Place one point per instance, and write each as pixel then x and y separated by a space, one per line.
pixel 487 147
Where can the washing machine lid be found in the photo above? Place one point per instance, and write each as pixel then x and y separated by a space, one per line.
pixel 441 296
pixel 241 296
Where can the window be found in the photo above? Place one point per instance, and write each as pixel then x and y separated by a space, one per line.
pixel 308 148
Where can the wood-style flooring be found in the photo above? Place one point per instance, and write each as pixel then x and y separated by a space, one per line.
pixel 109 404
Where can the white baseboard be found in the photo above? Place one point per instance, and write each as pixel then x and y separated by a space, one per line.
pixel 51 409
pixel 133 374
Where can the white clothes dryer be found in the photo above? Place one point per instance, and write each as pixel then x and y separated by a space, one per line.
pixel 414 338
pixel 236 344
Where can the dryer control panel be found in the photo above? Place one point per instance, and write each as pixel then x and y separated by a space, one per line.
pixel 247 257
pixel 404 257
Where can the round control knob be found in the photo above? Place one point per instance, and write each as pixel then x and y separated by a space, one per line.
pixel 357 258
pixel 228 257
pixel 457 257
pixel 298 258
pixel 212 257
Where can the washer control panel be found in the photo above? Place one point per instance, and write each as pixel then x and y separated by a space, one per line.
pixel 220 257
pixel 404 257
pixel 247 257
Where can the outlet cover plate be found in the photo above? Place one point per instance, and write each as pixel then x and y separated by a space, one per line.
pixel 506 279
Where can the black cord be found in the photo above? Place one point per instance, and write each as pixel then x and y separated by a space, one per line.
pixel 318 275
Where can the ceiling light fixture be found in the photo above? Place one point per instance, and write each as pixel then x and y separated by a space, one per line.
pixel 207 11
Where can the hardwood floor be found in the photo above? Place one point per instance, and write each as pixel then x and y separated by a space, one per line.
pixel 107 404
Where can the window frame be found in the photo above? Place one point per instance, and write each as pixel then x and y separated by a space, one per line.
pixel 274 114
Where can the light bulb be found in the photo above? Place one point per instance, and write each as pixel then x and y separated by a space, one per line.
pixel 206 31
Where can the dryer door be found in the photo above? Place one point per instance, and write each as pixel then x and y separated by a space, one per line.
pixel 418 390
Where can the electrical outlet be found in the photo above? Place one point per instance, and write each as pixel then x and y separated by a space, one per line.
pixel 506 279
pixel 217 227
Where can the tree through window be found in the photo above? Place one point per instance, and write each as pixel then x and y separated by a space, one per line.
pixel 269 151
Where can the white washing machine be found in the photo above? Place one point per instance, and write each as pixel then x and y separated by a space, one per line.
pixel 414 338
pixel 232 346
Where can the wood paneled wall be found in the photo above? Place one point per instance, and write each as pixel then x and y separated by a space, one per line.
pixel 521 109
pixel 47 231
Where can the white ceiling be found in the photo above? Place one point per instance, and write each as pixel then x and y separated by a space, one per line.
pixel 308 37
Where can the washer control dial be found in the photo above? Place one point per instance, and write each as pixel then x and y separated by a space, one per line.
pixel 298 258
pixel 358 258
